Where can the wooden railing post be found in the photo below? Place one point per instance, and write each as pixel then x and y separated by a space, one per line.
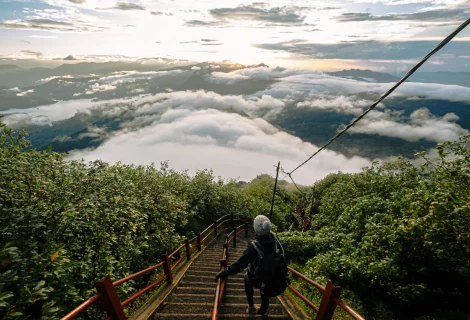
pixel 188 250
pixel 234 237
pixel 327 305
pixel 199 243
pixel 110 299
pixel 215 227
pixel 167 269
pixel 246 230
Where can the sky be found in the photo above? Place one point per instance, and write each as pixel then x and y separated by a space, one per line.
pixel 383 35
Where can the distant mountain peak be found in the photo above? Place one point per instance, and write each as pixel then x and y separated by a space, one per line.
pixel 70 57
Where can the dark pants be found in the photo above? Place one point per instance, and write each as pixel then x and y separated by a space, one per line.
pixel 250 283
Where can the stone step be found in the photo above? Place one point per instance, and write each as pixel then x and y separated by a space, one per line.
pixel 176 316
pixel 191 298
pixel 198 284
pixel 205 265
pixel 229 298
pixel 204 268
pixel 224 308
pixel 242 316
pixel 202 278
pixel 201 273
pixel 195 290
pixel 187 307
pixel 235 291
pixel 210 277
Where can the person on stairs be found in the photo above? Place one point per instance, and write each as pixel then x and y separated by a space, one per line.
pixel 266 245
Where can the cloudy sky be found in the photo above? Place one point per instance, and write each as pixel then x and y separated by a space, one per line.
pixel 334 34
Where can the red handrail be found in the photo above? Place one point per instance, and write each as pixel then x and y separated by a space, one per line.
pixel 203 239
pixel 353 313
pixel 221 283
pixel 308 280
pixel 223 217
pixel 176 251
pixel 303 298
pixel 85 305
pixel 178 262
pixel 211 226
pixel 329 301
pixel 141 292
pixel 135 275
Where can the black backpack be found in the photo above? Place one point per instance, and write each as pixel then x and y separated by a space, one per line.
pixel 271 269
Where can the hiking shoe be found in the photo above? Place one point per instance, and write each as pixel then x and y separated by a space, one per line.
pixel 252 310
pixel 263 312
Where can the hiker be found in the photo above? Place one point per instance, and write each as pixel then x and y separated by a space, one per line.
pixel 267 268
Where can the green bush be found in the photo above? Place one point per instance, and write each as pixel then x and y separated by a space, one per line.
pixel 396 236
pixel 66 224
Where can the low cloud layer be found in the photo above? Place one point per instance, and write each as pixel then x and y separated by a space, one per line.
pixel 231 133
pixel 422 125
pixel 232 145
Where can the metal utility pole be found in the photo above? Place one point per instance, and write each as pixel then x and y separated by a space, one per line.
pixel 274 191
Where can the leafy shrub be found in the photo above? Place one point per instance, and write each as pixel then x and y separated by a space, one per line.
pixel 66 224
pixel 396 236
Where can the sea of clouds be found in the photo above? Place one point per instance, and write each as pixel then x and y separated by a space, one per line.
pixel 232 134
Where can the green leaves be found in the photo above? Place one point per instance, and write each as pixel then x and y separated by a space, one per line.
pixel 66 224
pixel 396 236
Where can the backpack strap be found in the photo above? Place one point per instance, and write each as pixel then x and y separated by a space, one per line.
pixel 257 248
pixel 280 245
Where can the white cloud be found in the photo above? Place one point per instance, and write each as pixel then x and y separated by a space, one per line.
pixel 96 87
pixel 422 125
pixel 21 94
pixel 253 106
pixel 232 145
pixel 98 133
pixel 258 73
pixel 53 78
pixel 132 76
pixel 341 104
pixel 45 115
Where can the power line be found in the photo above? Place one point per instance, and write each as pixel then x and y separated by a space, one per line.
pixel 408 74
pixel 285 174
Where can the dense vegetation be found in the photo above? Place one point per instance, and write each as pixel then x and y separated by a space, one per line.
pixel 396 236
pixel 66 224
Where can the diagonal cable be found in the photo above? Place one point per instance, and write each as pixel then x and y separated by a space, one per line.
pixel 408 74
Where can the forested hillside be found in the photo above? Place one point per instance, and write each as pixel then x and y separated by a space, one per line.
pixel 66 224
pixel 396 236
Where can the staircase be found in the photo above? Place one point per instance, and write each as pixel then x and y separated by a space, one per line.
pixel 193 298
